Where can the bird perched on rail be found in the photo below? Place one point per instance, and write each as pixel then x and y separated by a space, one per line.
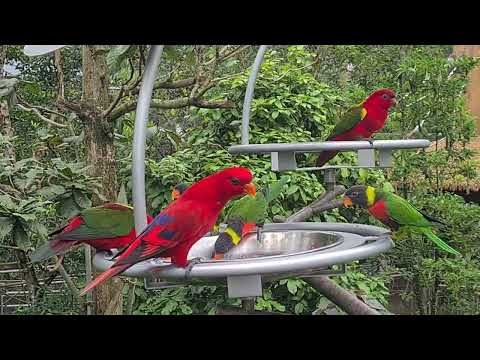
pixel 394 211
pixel 106 227
pixel 245 215
pixel 361 121
pixel 183 222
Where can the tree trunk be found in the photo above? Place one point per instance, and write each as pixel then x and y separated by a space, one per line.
pixel 100 154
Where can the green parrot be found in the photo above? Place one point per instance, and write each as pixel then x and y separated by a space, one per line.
pixel 105 227
pixel 244 215
pixel 394 211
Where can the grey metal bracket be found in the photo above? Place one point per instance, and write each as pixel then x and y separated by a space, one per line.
pixel 283 161
pixel 244 286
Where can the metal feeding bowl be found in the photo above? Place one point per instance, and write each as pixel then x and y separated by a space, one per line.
pixel 281 251
pixel 281 243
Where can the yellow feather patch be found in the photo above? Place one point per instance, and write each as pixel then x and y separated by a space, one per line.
pixel 370 195
pixel 233 235
pixel 364 113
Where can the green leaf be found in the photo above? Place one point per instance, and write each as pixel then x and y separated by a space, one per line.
pixel 275 190
pixel 6 226
pixel 81 199
pixel 169 307
pixel 6 203
pixel 171 52
pixel 278 306
pixel 299 308
pixel 116 56
pixel 122 195
pixel 187 310
pixel 26 217
pixel 292 286
pixel 40 229
pixel 51 191
pixel 68 208
pixel 21 237
pixel 364 287
pixel 292 189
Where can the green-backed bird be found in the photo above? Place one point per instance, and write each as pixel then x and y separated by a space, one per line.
pixel 244 216
pixel 105 227
pixel 394 211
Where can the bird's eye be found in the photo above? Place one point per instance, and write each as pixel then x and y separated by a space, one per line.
pixel 235 181
pixel 385 96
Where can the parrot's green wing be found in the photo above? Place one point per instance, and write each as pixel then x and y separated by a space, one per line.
pixel 348 120
pixel 109 222
pixel 249 209
pixel 402 212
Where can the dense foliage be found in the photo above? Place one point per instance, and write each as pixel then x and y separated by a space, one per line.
pixel 300 92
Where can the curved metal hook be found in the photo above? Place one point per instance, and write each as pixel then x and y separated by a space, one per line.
pixel 139 137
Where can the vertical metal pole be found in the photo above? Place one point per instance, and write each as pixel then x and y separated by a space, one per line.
pixel 139 137
pixel 88 276
pixel 249 93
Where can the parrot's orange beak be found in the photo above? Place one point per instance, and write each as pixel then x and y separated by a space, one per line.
pixel 250 189
pixel 394 102
pixel 347 201
pixel 175 194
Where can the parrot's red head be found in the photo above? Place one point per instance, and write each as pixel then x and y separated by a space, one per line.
pixel 223 186
pixel 383 98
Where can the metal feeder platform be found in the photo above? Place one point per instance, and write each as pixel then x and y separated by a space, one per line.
pixel 284 250
pixel 281 250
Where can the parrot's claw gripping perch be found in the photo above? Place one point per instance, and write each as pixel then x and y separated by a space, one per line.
pixel 370 140
pixel 191 264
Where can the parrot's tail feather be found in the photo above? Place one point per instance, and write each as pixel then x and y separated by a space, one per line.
pixel 439 242
pixel 325 156
pixel 51 248
pixel 103 276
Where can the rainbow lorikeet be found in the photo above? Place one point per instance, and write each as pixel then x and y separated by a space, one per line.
pixel 243 217
pixel 394 211
pixel 361 121
pixel 183 222
pixel 105 227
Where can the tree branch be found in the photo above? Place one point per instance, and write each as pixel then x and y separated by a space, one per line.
pixel 24 103
pixel 60 75
pixel 339 296
pixel 323 203
pixel 336 294
pixel 171 104
pixel 222 56
pixel 41 117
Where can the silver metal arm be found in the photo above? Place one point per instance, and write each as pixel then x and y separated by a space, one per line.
pixel 139 137
pixel 249 93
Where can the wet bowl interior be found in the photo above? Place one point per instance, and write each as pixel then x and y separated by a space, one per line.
pixel 278 243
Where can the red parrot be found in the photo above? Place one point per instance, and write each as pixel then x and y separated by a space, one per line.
pixel 183 222
pixel 361 121
pixel 105 227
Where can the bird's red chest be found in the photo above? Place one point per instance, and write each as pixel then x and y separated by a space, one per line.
pixel 379 210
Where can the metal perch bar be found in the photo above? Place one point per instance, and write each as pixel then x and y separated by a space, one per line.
pixel 329 145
